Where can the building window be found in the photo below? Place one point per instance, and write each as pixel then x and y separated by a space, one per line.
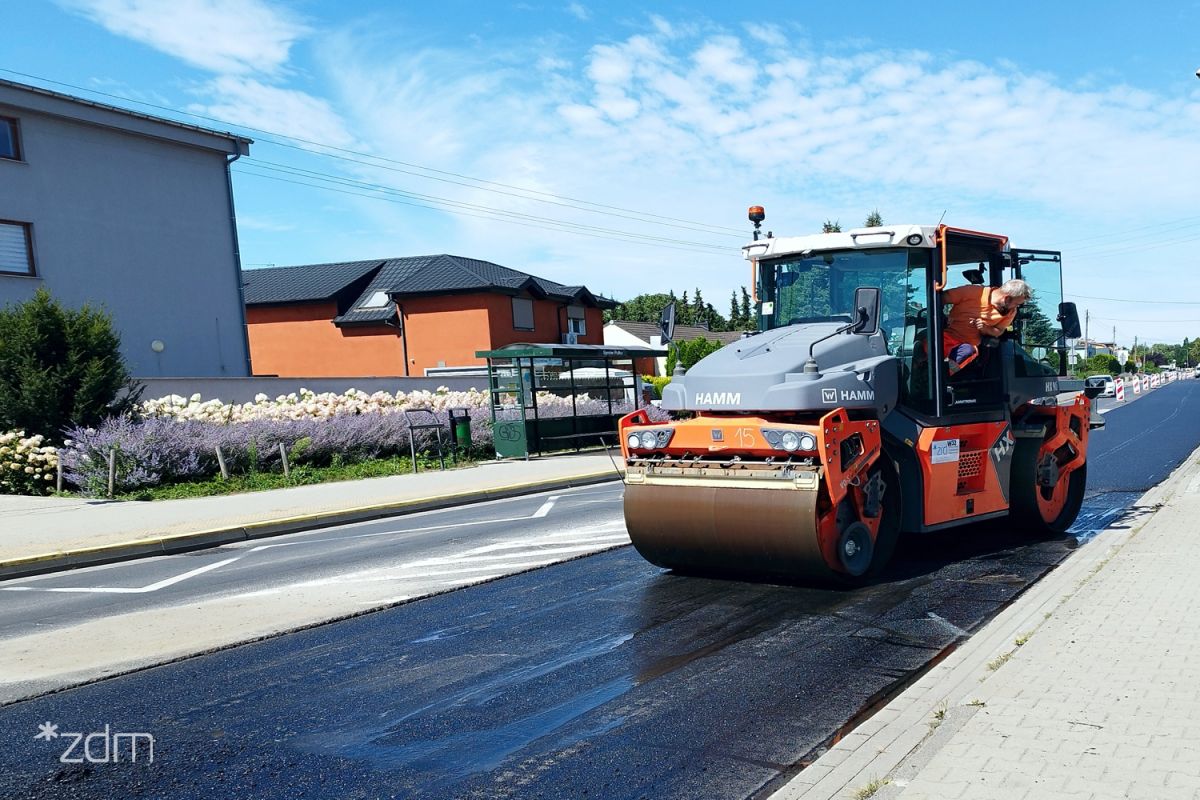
pixel 522 313
pixel 10 143
pixel 16 250
pixel 575 320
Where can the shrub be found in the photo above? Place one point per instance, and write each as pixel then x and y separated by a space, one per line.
pixel 691 351
pixel 659 382
pixel 27 465
pixel 59 367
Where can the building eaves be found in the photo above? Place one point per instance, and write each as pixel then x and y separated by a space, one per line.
pixel 241 144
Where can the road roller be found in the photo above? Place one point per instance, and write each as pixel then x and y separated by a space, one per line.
pixel 802 451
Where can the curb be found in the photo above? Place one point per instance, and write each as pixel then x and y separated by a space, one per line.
pixel 214 537
pixel 890 743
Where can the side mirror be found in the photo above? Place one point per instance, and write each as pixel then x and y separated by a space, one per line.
pixel 867 300
pixel 666 323
pixel 1068 317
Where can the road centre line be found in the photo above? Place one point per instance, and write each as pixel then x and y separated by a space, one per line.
pixel 154 587
pixel 542 512
pixel 546 506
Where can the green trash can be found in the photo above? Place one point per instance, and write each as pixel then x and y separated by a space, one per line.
pixel 460 428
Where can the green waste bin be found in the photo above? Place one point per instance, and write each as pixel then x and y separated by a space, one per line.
pixel 460 428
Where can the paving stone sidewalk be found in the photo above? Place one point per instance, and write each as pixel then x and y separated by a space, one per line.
pixel 1087 687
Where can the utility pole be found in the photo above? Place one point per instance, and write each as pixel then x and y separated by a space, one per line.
pixel 1087 342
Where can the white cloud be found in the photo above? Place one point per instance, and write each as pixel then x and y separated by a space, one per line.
pixel 682 122
pixel 245 101
pixel 579 11
pixel 224 36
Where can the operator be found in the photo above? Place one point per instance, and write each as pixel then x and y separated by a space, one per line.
pixel 978 311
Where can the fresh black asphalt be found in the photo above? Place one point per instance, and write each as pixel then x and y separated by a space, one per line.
pixel 603 677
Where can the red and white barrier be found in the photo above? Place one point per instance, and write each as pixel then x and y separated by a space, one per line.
pixel 1120 390
pixel 1137 385
pixel 1146 383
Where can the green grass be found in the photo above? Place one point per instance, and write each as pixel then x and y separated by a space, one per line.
pixel 300 476
pixel 870 789
pixel 999 661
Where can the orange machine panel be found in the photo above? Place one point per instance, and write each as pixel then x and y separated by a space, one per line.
pixel 960 476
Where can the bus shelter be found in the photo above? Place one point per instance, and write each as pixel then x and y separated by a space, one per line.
pixel 547 397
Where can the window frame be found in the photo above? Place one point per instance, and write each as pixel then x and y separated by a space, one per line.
pixel 14 125
pixel 27 227
pixel 532 317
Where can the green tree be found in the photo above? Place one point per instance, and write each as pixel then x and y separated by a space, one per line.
pixel 873 220
pixel 690 351
pixel 1130 367
pixel 643 308
pixel 735 314
pixel 834 226
pixel 746 319
pixel 1036 327
pixel 60 367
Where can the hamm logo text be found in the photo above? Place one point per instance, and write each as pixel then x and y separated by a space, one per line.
pixel 718 398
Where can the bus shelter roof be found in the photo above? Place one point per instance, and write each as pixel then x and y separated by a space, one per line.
pixel 571 352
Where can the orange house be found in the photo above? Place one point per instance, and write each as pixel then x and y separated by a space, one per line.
pixel 402 316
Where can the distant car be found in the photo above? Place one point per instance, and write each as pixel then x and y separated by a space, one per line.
pixel 1106 381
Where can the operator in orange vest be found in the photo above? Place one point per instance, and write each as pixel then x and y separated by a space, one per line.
pixel 978 311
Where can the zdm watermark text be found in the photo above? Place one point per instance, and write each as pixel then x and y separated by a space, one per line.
pixel 99 747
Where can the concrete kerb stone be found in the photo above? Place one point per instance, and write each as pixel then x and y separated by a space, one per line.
pixel 962 676
pixel 180 543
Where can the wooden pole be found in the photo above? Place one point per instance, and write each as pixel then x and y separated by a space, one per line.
pixel 221 463
pixel 58 478
pixel 283 458
pixel 112 470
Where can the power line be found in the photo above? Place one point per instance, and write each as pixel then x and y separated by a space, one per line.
pixel 1162 321
pixel 324 178
pixel 596 208
pixel 1127 300
pixel 547 226
pixel 271 164
pixel 1129 233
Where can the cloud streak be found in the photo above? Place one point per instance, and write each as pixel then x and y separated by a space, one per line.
pixel 225 36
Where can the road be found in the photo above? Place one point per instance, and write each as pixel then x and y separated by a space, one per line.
pixel 73 626
pixel 603 676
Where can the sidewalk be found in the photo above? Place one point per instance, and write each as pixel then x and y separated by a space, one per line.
pixel 1085 687
pixel 40 534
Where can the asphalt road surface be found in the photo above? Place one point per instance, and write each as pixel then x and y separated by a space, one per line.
pixel 600 677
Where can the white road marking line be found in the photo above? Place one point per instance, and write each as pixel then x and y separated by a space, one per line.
pixel 476 579
pixel 546 506
pixel 391 533
pixel 154 587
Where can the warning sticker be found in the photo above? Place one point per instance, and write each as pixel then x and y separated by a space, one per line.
pixel 944 452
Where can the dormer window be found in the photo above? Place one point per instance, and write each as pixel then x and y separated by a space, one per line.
pixel 377 300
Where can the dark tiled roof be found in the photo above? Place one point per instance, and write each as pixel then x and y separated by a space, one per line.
pixel 443 274
pixel 683 333
pixel 303 284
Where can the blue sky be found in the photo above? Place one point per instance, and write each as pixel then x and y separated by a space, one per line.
pixel 618 145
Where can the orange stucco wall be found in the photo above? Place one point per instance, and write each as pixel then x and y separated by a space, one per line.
pixel 302 341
